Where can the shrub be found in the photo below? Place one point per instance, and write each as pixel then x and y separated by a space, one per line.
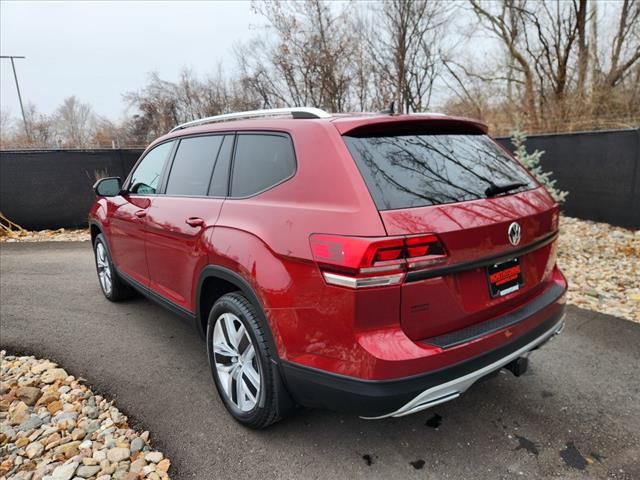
pixel 532 162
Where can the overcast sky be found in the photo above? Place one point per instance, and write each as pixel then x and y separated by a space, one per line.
pixel 100 50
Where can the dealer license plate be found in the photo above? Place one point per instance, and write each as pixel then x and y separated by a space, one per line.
pixel 505 277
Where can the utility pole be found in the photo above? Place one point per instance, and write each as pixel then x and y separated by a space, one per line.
pixel 15 76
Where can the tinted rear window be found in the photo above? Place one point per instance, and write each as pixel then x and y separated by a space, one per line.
pixel 261 161
pixel 220 181
pixel 406 171
pixel 192 165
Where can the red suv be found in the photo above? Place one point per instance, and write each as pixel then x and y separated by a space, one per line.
pixel 373 263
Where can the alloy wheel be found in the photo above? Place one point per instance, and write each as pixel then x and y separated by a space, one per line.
pixel 236 362
pixel 104 269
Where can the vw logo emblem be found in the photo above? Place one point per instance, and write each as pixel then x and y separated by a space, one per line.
pixel 514 233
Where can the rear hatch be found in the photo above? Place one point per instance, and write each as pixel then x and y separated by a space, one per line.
pixel 496 224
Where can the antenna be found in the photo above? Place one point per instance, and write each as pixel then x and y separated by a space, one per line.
pixel 391 109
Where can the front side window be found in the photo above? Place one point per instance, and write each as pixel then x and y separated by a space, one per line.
pixel 261 161
pixel 192 166
pixel 146 177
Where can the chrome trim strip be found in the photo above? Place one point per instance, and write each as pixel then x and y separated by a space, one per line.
pixel 482 262
pixel 454 388
pixel 383 268
pixel 296 112
pixel 354 282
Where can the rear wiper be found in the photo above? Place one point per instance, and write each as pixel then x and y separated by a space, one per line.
pixel 494 190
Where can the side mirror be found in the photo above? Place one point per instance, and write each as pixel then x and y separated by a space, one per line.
pixel 108 187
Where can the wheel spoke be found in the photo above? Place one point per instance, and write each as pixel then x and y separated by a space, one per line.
pixel 222 348
pixel 228 383
pixel 249 354
pixel 251 375
pixel 230 328
pixel 240 397
pixel 240 334
pixel 249 393
pixel 225 368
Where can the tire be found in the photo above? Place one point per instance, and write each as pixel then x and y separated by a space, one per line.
pixel 242 364
pixel 112 286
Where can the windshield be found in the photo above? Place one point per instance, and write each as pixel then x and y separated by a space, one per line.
pixel 404 171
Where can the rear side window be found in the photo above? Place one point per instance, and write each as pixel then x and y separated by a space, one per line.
pixel 193 165
pixel 404 171
pixel 261 161
pixel 220 181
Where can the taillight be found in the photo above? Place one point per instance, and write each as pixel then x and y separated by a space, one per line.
pixel 358 262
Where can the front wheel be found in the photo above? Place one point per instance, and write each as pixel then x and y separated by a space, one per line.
pixel 112 285
pixel 243 367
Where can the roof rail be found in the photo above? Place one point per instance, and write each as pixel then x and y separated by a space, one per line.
pixel 295 112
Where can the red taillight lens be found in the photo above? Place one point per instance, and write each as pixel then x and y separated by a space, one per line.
pixel 354 253
pixel 387 254
pixel 423 245
pixel 367 262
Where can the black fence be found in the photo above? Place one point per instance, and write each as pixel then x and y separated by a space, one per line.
pixel 52 189
pixel 600 170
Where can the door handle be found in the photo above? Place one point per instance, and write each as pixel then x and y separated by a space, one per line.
pixel 141 213
pixel 195 221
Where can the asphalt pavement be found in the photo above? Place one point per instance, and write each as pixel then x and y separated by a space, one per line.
pixel 575 414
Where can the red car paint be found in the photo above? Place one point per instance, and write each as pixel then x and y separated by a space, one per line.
pixel 370 333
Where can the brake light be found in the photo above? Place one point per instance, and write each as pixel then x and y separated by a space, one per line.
pixel 423 245
pixel 358 262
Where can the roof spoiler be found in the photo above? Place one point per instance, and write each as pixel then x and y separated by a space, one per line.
pixel 409 124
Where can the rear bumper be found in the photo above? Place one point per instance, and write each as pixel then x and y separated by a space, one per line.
pixel 398 397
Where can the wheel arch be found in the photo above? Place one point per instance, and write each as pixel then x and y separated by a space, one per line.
pixel 213 283
pixel 95 229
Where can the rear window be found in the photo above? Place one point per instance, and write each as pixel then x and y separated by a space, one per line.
pixel 192 165
pixel 261 161
pixel 404 171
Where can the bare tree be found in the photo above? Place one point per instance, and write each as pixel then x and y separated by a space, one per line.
pixel 161 104
pixel 305 60
pixel 6 129
pixel 41 129
pixel 75 123
pixel 406 46
pixel 548 65
pixel 552 58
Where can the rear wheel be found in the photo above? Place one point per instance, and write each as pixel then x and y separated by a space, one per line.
pixel 112 285
pixel 242 364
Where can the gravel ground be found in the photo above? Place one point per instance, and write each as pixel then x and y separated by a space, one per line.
pixel 52 427
pixel 60 235
pixel 602 264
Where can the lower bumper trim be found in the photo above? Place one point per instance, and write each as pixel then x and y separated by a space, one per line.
pixel 316 388
pixel 454 388
pixel 479 330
